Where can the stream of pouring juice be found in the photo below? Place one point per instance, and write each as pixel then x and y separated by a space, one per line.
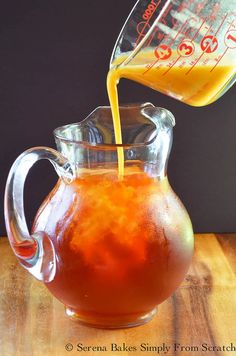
pixel 197 86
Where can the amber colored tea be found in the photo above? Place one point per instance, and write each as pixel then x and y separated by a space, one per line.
pixel 116 245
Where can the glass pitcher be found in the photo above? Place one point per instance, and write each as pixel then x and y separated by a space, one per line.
pixel 183 48
pixel 110 248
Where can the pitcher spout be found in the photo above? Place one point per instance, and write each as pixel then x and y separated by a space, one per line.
pixel 146 139
pixel 163 118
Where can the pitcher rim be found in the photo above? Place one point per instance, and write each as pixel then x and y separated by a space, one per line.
pixel 112 146
pixel 98 146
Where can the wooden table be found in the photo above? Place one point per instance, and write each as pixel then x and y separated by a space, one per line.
pixel 201 312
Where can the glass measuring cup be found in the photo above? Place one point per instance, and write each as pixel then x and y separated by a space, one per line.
pixel 185 49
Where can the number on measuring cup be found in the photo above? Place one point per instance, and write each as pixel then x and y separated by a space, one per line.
pixel 150 10
pixel 209 44
pixel 230 39
pixel 186 48
pixel 163 52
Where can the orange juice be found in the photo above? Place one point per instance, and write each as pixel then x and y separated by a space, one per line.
pixel 197 85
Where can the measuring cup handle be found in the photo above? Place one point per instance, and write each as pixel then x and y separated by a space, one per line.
pixel 34 252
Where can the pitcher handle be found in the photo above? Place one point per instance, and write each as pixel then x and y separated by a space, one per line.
pixel 35 252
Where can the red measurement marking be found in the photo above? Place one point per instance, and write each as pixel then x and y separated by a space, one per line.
pixel 214 13
pixel 149 10
pixel 169 45
pixel 195 62
pixel 221 24
pixel 151 37
pixel 208 45
pixel 150 66
pixel 172 66
pixel 167 11
pixel 230 39
pixel 230 24
pixel 142 34
pixel 189 27
pixel 179 31
pixel 142 28
pixel 163 52
pixel 228 34
pixel 171 42
pixel 199 7
pixel 182 46
pixel 182 7
pixel 204 20
pixel 219 59
pixel 162 20
pixel 186 48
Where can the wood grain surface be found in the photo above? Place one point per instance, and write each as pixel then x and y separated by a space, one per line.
pixel 201 312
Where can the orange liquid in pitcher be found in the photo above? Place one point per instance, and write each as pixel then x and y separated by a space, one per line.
pixel 118 257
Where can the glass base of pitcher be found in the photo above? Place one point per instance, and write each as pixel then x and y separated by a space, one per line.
pixel 112 322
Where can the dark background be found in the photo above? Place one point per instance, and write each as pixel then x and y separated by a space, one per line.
pixel 54 57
